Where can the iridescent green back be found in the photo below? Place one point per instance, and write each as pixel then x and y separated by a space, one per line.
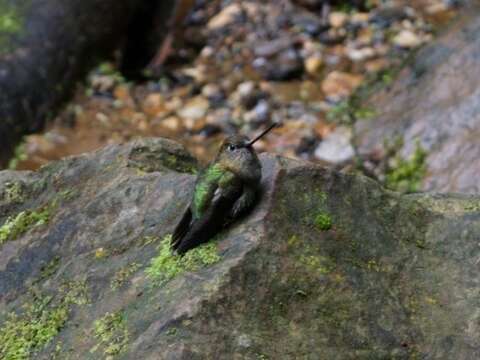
pixel 205 188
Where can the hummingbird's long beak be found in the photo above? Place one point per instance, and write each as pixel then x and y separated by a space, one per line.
pixel 251 142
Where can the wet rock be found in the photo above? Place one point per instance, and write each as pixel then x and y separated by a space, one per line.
pixel 407 39
pixel 285 65
pixel 338 19
pixel 317 4
pixel 173 104
pixel 360 18
pixel 332 37
pixel 225 17
pixel 311 3
pixel 385 16
pixel 321 250
pixel 210 130
pixel 246 89
pixel 259 114
pixel 278 59
pixel 102 83
pixel 336 147
pixel 154 104
pixel 195 108
pixel 434 102
pixel 339 85
pixel 376 65
pixel 213 93
pixel 219 117
pixel 247 95
pixel 306 146
pixel 313 64
pixel 361 54
pixel 172 123
pixel 308 23
pixel 271 48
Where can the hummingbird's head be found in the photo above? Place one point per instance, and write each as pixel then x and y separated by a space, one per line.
pixel 238 156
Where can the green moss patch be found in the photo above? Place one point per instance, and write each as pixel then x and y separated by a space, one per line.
pixel 112 333
pixel 348 112
pixel 11 22
pixel 23 335
pixel 406 175
pixel 320 217
pixel 12 16
pixel 166 266
pixel 23 221
pixel 20 153
pixel 323 221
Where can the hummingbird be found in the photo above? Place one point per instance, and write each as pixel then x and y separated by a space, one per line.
pixel 226 189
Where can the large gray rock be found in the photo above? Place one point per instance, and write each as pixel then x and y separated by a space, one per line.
pixel 327 266
pixel 436 101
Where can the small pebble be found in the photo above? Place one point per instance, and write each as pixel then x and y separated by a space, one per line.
pixel 313 64
pixel 336 147
pixel 338 19
pixel 407 39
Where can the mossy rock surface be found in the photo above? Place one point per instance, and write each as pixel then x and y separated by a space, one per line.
pixel 433 103
pixel 391 276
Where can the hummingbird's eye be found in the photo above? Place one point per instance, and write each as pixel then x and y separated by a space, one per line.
pixel 231 147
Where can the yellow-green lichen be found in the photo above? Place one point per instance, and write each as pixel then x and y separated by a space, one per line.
pixel 166 266
pixel 111 333
pixel 147 240
pixel 23 221
pixel 101 253
pixel 75 292
pixel 321 265
pixel 14 192
pixel 67 194
pixel 472 206
pixel 293 240
pixel 172 331
pixel 123 274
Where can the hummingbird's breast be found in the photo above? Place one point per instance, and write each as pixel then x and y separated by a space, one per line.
pixel 245 165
